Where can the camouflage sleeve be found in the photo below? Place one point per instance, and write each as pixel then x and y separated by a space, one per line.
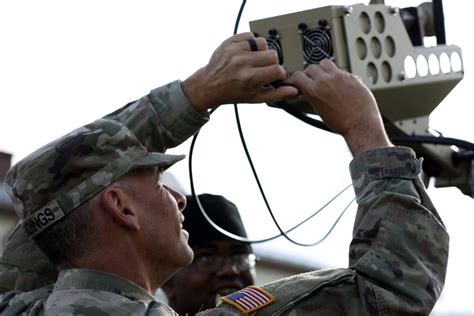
pixel 400 245
pixel 398 255
pixel 162 119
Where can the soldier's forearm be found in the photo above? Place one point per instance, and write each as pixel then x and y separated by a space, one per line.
pixel 162 119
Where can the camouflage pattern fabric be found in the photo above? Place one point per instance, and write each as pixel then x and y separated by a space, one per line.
pixel 17 269
pixel 25 303
pixel 61 176
pixel 398 255
pixel 91 292
pixel 160 120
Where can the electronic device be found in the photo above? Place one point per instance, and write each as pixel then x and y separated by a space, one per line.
pixel 383 45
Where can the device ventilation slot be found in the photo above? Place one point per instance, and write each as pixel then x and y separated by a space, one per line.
pixel 317 44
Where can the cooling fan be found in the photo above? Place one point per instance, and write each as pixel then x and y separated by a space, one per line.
pixel 317 43
pixel 382 45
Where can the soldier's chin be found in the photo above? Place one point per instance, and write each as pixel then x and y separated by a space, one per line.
pixel 185 234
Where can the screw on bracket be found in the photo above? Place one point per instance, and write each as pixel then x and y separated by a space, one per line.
pixel 394 10
pixel 348 10
pixel 302 27
pixel 273 32
pixel 402 76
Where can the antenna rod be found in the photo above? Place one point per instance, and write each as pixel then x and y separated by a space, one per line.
pixel 439 22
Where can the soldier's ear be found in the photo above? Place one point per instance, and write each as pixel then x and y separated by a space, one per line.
pixel 120 207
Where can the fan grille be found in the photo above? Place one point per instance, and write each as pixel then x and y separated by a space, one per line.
pixel 317 45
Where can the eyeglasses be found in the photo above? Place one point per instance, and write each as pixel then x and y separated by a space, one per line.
pixel 212 263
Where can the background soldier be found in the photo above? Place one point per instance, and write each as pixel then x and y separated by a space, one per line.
pixel 221 265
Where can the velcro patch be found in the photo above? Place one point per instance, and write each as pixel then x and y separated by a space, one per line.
pixel 249 299
pixel 42 218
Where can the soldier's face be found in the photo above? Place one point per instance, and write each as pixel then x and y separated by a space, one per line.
pixel 193 289
pixel 164 240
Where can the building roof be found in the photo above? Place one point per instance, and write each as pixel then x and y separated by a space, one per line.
pixel 5 202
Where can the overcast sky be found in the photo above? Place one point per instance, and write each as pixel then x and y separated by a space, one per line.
pixel 65 63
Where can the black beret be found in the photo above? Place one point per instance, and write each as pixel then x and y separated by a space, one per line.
pixel 222 212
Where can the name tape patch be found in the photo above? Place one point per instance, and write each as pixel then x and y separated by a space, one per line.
pixel 249 299
pixel 42 218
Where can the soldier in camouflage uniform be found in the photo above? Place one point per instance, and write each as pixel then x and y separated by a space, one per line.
pixel 398 255
pixel 221 264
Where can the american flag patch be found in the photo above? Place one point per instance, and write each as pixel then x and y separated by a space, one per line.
pixel 249 299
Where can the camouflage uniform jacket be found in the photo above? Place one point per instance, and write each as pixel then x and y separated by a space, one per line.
pixel 162 119
pixel 397 258
pixel 91 292
pixel 398 255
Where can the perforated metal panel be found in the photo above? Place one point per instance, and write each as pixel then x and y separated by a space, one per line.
pixel 370 41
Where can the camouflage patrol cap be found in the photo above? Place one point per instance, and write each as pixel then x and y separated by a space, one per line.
pixel 64 174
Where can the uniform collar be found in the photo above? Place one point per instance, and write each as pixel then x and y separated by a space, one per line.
pixel 80 279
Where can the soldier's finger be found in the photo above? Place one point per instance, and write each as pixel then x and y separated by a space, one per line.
pixel 254 44
pixel 314 71
pixel 275 95
pixel 328 65
pixel 242 37
pixel 266 74
pixel 302 81
pixel 263 58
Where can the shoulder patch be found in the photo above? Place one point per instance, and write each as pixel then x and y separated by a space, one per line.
pixel 249 299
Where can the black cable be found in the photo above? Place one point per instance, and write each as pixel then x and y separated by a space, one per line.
pixel 425 139
pixel 320 210
pixel 309 120
pixel 190 166
pixel 428 139
pixel 239 15
pixel 244 239
pixel 249 159
pixel 262 193
pixel 240 238
pixel 321 125
pixel 333 225
pixel 439 140
pixel 460 157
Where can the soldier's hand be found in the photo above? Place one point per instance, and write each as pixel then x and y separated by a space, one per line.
pixel 344 103
pixel 236 74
